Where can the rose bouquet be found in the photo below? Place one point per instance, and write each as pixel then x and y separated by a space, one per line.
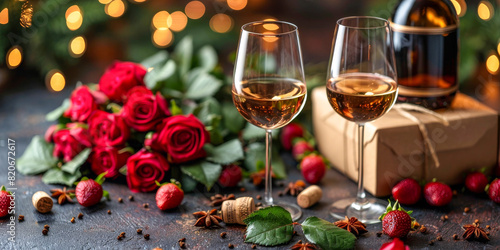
pixel 170 116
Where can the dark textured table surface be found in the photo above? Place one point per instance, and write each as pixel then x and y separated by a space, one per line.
pixel 22 113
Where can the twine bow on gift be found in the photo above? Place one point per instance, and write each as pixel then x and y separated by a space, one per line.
pixel 404 108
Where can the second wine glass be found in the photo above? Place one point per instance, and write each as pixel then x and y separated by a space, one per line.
pixel 268 86
pixel 361 87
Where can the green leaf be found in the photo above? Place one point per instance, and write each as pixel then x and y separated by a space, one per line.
pixel 58 112
pixel 226 153
pixel 155 59
pixel 204 172
pixel 57 176
pixel 208 58
pixel 37 157
pixel 232 118
pixel 256 153
pixel 105 194
pixel 74 165
pixel 327 235
pixel 154 77
pixel 184 54
pixel 204 85
pixel 174 109
pixel 270 226
pixel 188 183
pixel 253 132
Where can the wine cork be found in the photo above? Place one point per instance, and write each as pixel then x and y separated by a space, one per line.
pixel 235 211
pixel 309 196
pixel 42 202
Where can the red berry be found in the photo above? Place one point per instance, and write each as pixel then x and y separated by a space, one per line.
pixel 313 168
pixel 88 193
pixel 300 149
pixel 437 194
pixel 493 191
pixel 407 191
pixel 230 176
pixel 396 222
pixel 169 196
pixel 4 202
pixel 290 132
pixel 395 244
pixel 476 182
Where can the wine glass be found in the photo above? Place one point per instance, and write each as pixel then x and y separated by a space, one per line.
pixel 268 84
pixel 361 87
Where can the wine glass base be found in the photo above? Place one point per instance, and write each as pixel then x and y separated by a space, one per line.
pixel 368 212
pixel 294 210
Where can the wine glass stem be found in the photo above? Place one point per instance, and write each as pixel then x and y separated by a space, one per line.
pixel 268 197
pixel 361 196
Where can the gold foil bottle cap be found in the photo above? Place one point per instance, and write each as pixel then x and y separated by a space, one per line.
pixel 235 211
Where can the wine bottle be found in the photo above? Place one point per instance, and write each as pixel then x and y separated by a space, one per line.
pixel 426 46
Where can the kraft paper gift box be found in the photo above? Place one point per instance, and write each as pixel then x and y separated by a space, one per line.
pixel 395 148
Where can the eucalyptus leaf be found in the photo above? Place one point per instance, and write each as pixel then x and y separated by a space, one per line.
pixel 205 172
pixel 37 157
pixel 155 59
pixel 58 112
pixel 327 235
pixel 204 85
pixel 184 53
pixel 208 58
pixel 270 226
pixel 226 153
pixel 74 165
pixel 57 176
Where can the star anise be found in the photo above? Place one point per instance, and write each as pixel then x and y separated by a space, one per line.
pixel 217 199
pixel 294 189
pixel 352 225
pixel 207 219
pixel 474 232
pixel 259 177
pixel 63 195
pixel 303 246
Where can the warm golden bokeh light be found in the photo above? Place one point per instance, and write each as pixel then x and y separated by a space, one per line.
pixel 160 19
pixel 269 37
pixel 457 6
pixel 177 21
pixel 77 46
pixel 105 1
pixel 14 57
pixel 498 48
pixel 162 37
pixel 71 9
pixel 115 9
pixel 139 1
pixel 4 16
pixel 492 64
pixel 221 23
pixel 237 4
pixel 195 9
pixel 485 10
pixel 55 80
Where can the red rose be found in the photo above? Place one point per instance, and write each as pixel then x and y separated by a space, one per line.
pixel 108 159
pixel 82 105
pixel 108 129
pixel 71 141
pixel 182 137
pixel 143 110
pixel 143 169
pixel 119 78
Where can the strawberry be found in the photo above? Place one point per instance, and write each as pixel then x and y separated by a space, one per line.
pixel 169 195
pixel 290 132
pixel 301 149
pixel 476 182
pixel 396 222
pixel 230 176
pixel 407 191
pixel 437 194
pixel 5 199
pixel 395 244
pixel 89 192
pixel 313 168
pixel 493 190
